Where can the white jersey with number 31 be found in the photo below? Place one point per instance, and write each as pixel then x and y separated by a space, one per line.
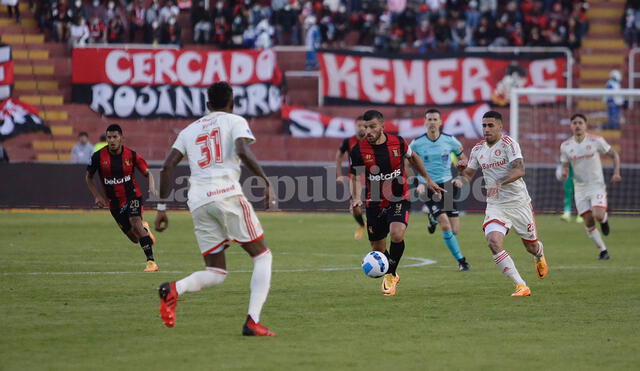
pixel 209 144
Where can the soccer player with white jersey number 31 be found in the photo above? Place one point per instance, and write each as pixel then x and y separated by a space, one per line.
pixel 583 151
pixel 216 145
pixel 508 201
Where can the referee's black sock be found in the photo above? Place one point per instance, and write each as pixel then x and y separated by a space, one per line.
pixel 147 247
pixel 359 219
pixel 396 251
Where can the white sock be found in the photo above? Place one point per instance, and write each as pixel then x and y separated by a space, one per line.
pixel 606 217
pixel 594 235
pixel 260 283
pixel 508 267
pixel 201 279
pixel 540 252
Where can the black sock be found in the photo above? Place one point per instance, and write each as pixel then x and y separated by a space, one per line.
pixel 147 247
pixel 396 251
pixel 359 219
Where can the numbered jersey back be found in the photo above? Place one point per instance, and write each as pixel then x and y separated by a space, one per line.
pixel 209 144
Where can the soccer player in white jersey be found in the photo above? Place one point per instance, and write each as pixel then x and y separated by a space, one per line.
pixel 583 151
pixel 508 201
pixel 215 145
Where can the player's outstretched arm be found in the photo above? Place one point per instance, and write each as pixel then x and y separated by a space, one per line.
pixel 463 161
pixel 418 166
pixel 355 189
pixel 516 171
pixel 465 177
pixel 339 158
pixel 166 176
pixel 249 160
pixel 99 199
pixel 565 170
pixel 152 183
pixel 616 165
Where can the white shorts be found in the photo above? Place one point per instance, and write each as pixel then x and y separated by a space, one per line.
pixel 221 221
pixel 520 219
pixel 587 200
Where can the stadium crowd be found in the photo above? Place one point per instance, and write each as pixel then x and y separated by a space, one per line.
pixel 387 26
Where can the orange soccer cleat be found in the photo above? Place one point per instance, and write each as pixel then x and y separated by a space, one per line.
pixel 151 266
pixel 541 267
pixel 168 303
pixel 389 283
pixel 522 290
pixel 252 328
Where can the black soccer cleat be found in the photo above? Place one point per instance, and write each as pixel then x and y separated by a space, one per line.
pixel 604 255
pixel 605 228
pixel 463 266
pixel 433 223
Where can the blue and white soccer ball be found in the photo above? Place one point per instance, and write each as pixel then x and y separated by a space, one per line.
pixel 375 264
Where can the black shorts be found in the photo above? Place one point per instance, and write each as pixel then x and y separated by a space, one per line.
pixel 132 208
pixel 446 204
pixel 379 219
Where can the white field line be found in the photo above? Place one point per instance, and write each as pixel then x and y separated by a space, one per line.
pixel 419 262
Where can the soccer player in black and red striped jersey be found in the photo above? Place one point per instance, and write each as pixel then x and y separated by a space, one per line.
pixel 116 166
pixel 381 155
pixel 345 149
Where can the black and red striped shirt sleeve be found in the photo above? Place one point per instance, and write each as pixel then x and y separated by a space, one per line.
pixel 94 164
pixel 356 159
pixel 141 164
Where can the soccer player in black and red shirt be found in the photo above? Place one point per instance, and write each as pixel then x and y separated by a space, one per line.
pixel 381 156
pixel 116 166
pixel 345 148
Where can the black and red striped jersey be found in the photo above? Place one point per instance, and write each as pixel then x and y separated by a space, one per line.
pixel 348 144
pixel 117 174
pixel 386 179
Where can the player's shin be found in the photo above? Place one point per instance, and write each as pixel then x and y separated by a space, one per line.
pixel 147 247
pixel 359 219
pixel 201 280
pixel 508 267
pixel 260 283
pixel 452 244
pixel 595 236
pixel 395 254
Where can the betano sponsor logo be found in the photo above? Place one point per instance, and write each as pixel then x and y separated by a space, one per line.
pixel 114 181
pixel 376 178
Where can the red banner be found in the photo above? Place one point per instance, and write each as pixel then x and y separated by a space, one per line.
pixel 6 71
pixel 143 67
pixel 464 122
pixel 145 83
pixel 348 77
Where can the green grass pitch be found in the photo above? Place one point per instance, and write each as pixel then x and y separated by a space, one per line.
pixel 74 297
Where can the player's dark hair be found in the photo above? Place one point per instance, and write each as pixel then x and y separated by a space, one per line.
pixel 578 115
pixel 492 115
pixel 83 134
pixel 360 118
pixel 114 127
pixel 219 94
pixel 433 110
pixel 372 115
pixel 103 138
